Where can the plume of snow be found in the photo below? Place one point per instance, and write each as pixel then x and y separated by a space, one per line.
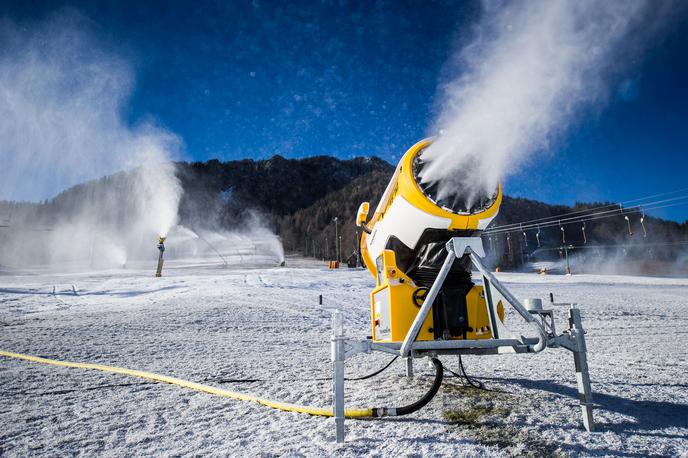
pixel 523 78
pixel 62 100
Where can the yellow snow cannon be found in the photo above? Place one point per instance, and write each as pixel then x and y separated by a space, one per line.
pixel 403 247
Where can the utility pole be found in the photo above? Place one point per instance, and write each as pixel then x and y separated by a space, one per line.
pixel 93 242
pixel 336 237
pixel 568 266
pixel 357 248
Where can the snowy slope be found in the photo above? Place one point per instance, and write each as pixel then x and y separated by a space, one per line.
pixel 261 331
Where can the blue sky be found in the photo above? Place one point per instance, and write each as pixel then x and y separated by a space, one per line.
pixel 253 79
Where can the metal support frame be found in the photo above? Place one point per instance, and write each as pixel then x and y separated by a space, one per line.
pixel 580 358
pixel 573 339
pixel 338 360
pixel 457 247
pixel 502 341
pixel 409 367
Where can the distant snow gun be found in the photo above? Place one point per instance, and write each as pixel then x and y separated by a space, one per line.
pixel 422 247
pixel 161 249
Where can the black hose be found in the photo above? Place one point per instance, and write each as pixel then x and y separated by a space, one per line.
pixel 419 404
pixel 475 383
pixel 372 374
pixel 251 380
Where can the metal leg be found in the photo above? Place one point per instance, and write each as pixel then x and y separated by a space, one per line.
pixel 409 367
pixel 582 372
pixel 338 359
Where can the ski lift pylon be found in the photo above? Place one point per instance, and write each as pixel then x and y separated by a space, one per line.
pixel 525 238
pixel 628 220
pixel 642 223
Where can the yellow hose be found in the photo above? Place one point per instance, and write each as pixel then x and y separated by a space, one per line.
pixel 319 411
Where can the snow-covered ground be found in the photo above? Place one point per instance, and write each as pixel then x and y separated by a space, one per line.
pixel 261 331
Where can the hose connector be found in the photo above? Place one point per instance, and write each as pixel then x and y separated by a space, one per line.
pixel 419 404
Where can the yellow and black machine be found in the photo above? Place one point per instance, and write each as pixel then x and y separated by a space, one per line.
pixel 424 248
pixel 403 246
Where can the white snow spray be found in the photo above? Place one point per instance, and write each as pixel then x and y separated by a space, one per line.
pixel 520 81
pixel 62 101
pixel 255 246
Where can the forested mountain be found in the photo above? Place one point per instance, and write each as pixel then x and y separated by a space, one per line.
pixel 299 198
pixel 223 192
pixel 311 230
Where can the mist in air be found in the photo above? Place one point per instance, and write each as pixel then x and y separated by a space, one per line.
pixel 524 77
pixel 62 101
pixel 63 96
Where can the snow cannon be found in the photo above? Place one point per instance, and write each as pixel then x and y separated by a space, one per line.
pixel 403 247
pixel 423 247
pixel 161 249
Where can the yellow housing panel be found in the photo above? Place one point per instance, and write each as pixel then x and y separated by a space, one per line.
pixel 393 310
